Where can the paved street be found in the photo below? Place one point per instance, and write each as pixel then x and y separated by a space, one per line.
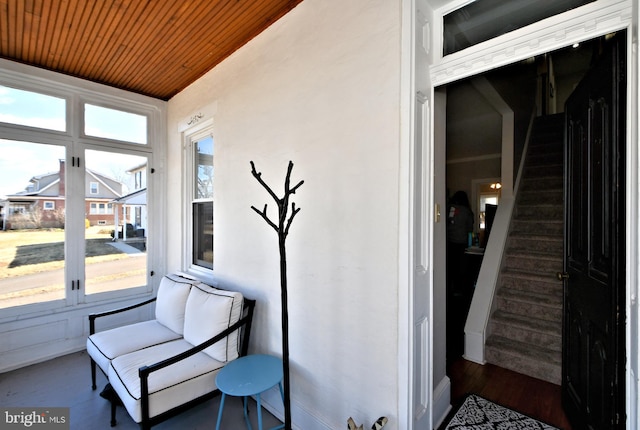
pixel 104 276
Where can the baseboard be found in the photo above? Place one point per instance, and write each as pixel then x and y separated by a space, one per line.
pixel 441 401
pixel 17 359
pixel 301 418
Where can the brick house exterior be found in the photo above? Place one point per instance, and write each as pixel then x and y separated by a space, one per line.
pixel 42 203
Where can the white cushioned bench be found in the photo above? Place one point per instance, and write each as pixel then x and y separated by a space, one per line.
pixel 160 367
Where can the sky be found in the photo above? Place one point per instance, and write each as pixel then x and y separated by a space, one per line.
pixel 20 161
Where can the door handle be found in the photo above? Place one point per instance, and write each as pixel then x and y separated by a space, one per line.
pixel 562 276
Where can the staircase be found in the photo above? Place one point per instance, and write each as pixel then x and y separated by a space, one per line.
pixel 526 327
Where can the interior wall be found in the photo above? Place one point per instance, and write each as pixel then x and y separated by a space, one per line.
pixel 460 175
pixel 320 87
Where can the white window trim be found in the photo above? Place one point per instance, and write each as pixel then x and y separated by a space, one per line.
pixel 49 205
pixel 190 135
pixel 76 92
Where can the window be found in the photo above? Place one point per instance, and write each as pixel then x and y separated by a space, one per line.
pixel 200 191
pixel 482 20
pixel 138 179
pixel 33 239
pixel 127 268
pixel 86 183
pixel 32 109
pixel 59 152
pixel 100 208
pixel 114 124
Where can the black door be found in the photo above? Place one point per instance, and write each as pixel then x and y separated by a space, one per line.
pixel 593 331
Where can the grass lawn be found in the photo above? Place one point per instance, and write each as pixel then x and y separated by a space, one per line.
pixel 29 251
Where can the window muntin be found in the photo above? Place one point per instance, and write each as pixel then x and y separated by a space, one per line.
pixel 94 188
pixel 32 109
pixel 482 20
pixel 115 124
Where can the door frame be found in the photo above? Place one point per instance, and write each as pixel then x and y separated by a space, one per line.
pixel 590 21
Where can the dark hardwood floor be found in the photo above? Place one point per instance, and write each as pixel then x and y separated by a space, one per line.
pixel 533 397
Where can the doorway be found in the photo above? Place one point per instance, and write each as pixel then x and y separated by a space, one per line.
pixel 563 87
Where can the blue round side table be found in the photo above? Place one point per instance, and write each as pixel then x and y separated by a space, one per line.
pixel 249 376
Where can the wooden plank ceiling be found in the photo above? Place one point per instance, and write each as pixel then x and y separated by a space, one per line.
pixel 151 47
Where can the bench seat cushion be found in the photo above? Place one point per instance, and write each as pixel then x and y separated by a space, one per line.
pixel 106 345
pixel 168 387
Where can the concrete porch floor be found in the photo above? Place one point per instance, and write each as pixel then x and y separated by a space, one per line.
pixel 66 382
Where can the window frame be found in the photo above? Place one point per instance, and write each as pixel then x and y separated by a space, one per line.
pixel 91 188
pixel 190 136
pixel 76 93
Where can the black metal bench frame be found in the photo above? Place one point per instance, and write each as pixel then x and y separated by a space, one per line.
pixel 244 324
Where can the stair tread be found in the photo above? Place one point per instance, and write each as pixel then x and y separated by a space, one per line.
pixel 527 324
pixel 552 328
pixel 523 358
pixel 541 221
pixel 523 349
pixel 528 205
pixel 534 255
pixel 548 278
pixel 540 236
pixel 546 299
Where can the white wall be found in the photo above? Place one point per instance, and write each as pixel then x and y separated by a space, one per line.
pixel 321 88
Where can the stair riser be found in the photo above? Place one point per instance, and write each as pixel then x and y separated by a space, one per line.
pixel 543 171
pixel 533 264
pixel 550 341
pixel 534 310
pixel 523 284
pixel 532 367
pixel 536 184
pixel 546 158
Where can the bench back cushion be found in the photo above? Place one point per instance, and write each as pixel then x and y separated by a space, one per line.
pixel 209 311
pixel 172 301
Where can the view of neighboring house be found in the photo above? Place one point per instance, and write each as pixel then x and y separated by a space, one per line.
pixel 42 203
pixel 132 207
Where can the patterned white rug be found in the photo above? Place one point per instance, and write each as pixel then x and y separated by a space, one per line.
pixel 477 413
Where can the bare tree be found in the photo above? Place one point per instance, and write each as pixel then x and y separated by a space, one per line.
pixel 59 215
pixel 35 215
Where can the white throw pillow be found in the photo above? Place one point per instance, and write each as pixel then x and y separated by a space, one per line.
pixel 209 311
pixel 172 300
